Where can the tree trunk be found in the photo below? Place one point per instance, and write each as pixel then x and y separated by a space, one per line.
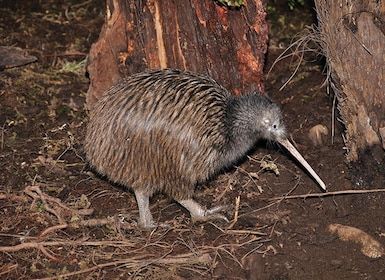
pixel 198 35
pixel 353 39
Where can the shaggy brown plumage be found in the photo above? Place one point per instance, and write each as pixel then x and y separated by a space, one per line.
pixel 169 130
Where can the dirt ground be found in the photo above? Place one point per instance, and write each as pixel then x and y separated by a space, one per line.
pixel 59 221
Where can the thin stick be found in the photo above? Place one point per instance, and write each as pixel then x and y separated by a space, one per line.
pixel 66 54
pixel 237 202
pixel 313 195
pixel 2 136
pixel 238 231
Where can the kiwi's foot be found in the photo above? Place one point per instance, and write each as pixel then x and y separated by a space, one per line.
pixel 200 213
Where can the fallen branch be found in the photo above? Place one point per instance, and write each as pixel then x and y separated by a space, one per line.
pixel 317 195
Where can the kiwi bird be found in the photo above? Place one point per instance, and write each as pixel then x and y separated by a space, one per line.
pixel 169 130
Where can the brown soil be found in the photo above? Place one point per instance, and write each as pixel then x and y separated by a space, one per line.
pixel 59 221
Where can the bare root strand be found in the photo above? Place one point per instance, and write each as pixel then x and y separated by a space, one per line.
pixel 51 229
pixel 45 252
pixel 29 245
pixel 82 223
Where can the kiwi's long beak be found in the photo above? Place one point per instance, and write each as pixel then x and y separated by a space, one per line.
pixel 286 143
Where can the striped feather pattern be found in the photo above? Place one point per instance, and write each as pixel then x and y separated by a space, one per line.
pixel 168 130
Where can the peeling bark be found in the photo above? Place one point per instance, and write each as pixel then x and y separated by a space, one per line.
pixel 198 35
pixel 353 38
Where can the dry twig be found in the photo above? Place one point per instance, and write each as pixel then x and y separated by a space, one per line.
pixel 318 195
pixel 237 202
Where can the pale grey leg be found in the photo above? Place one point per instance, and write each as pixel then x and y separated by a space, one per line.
pixel 199 213
pixel 145 217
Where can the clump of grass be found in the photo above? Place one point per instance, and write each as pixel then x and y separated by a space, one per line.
pixel 76 67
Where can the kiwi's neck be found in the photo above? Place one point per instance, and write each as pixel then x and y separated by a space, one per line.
pixel 241 128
